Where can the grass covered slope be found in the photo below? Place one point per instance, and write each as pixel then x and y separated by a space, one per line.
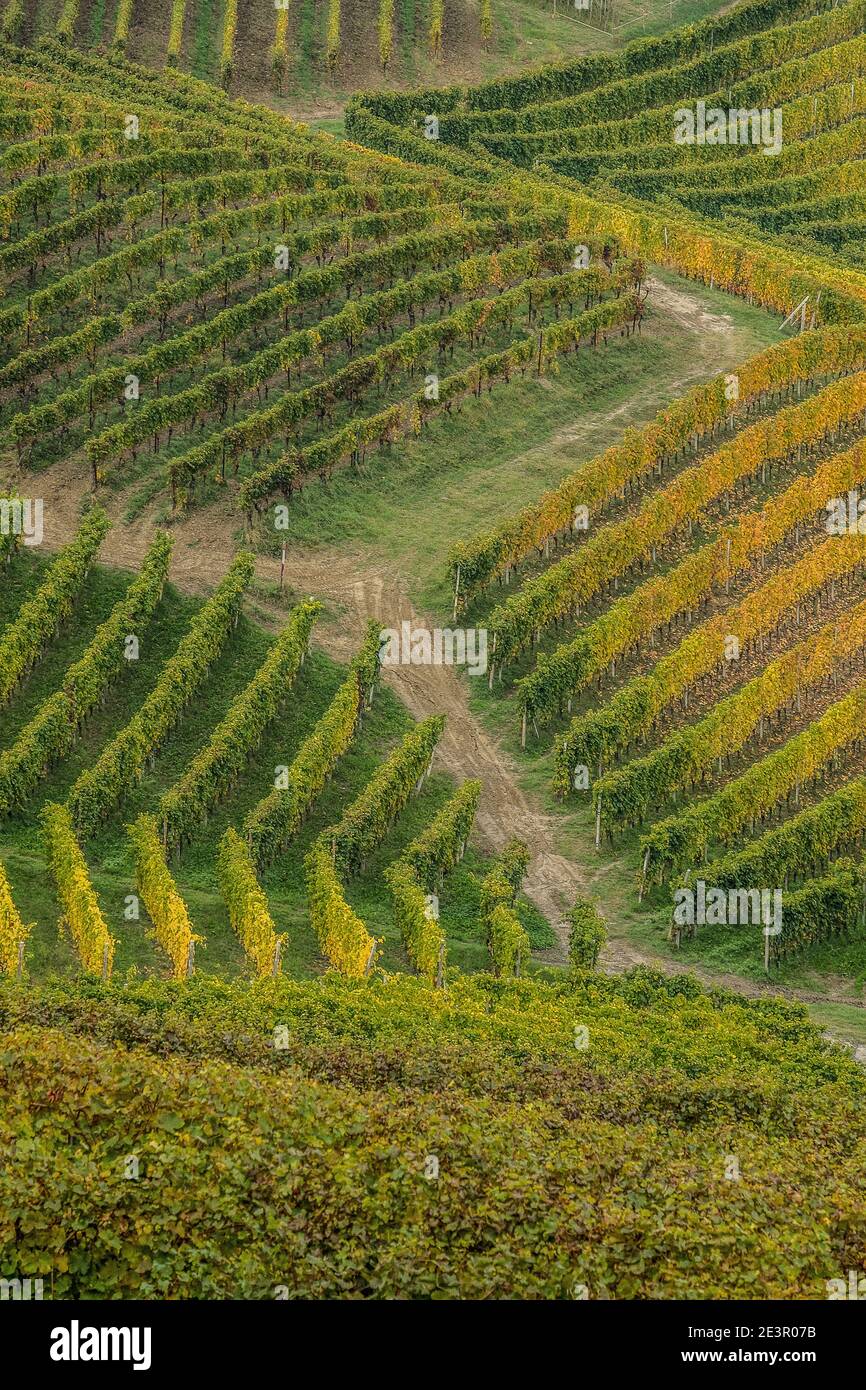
pixel 390 1140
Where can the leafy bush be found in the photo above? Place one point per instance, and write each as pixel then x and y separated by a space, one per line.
pixel 507 940
pixel 586 935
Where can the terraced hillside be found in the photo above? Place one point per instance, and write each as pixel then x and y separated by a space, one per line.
pixel 303 930
pixel 676 623
pixel 754 120
pixel 242 321
pixel 198 781
pixel 259 312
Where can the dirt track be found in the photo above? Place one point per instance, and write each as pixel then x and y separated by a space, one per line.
pixel 466 750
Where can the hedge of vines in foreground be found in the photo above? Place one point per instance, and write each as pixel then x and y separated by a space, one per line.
pixel 540 1145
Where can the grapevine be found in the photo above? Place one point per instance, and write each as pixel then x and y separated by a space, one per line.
pixel 93 942
pixel 67 21
pixel 616 548
pixel 413 878
pixel 626 795
pixel 214 770
pixel 722 817
pixel 175 32
pixel 686 586
pixel 343 938
pixel 332 39
pixel 275 819
pixel 683 424
pixel 227 55
pixel 122 23
pixel 13 932
pixel 486 22
pixel 24 641
pixel 280 47
pixel 437 16
pixel 122 761
pixel 165 906
pixel 247 905
pixel 54 727
pixel 386 32
pixel 507 941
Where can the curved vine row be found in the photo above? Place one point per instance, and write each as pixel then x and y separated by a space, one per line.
pixel 249 913
pixel 419 871
pixel 56 725
pixel 757 792
pixel 13 932
pixel 683 590
pixel 626 794
pixel 24 641
pixel 476 563
pixel 507 941
pixel 618 547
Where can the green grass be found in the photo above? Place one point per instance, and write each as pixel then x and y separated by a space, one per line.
pixel 332 125
pixel 207 39
pixel 108 853
pixel 304 57
pixel 96 28
pixel 845 1022
pixel 471 470
pixel 406 36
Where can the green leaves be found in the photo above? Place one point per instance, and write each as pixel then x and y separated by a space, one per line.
pixel 56 725
pixel 25 639
pixel 275 819
pixel 420 869
pixel 798 847
pixel 586 935
pixel 122 761
pixel 159 892
pixel 342 935
pixel 247 904
pixel 556 1165
pixel 367 821
pixel 93 942
pixel 721 818
pixel 215 768
pixel 13 932
pixel 507 941
pixel 627 794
